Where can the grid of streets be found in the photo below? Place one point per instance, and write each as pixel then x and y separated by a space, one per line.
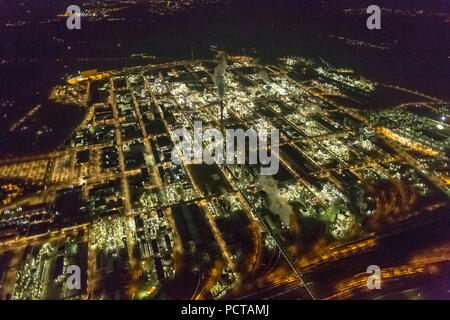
pixel 139 226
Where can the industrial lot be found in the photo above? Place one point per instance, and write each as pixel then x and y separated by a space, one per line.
pixel 112 202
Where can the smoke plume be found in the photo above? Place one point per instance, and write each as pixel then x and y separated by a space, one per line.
pixel 219 74
pixel 277 204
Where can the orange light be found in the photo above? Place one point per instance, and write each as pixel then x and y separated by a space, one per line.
pixel 150 291
pixel 388 133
